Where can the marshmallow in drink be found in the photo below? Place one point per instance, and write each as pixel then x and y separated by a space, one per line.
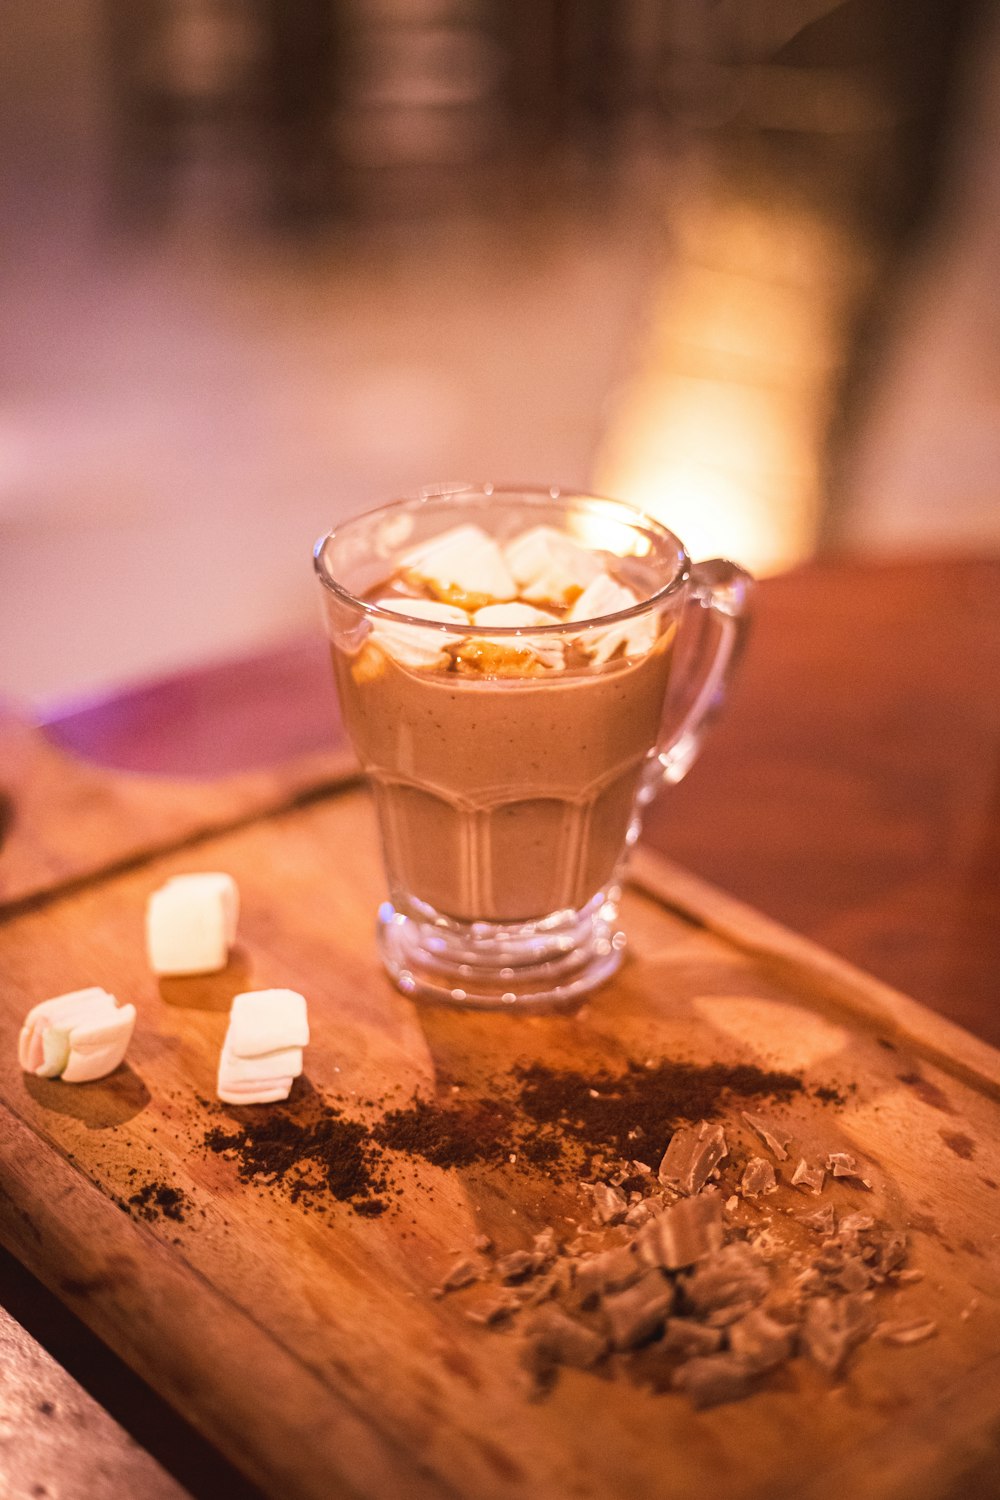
pixel 518 616
pixel 604 596
pixel 191 924
pixel 409 644
pixel 549 567
pixel 462 566
pixel 78 1037
pixel 262 1052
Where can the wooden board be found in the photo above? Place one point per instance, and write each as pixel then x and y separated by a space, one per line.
pixel 64 821
pixel 309 1347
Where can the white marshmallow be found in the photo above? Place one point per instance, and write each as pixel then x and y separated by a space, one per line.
pixel 191 924
pixel 263 1021
pixel 283 1062
pixel 549 567
pixel 79 1036
pixel 262 1053
pixel 264 1092
pixel 548 649
pixel 462 561
pixel 606 597
pixel 410 644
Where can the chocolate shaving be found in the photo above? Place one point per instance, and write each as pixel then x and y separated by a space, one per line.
pixel 843 1165
pixel 517 1266
pixel 712 1379
pixel 727 1284
pixel 760 1342
pixel 637 1314
pixel 758 1178
pixel 553 1339
pixel 683 1338
pixel 610 1204
pixel 809 1178
pixel 692 1156
pixel 823 1221
pixel 777 1143
pixel 833 1327
pixel 491 1313
pixel 913 1332
pixel 609 1271
pixel 682 1234
pixel 463 1273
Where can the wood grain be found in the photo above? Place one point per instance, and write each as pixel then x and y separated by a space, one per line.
pixel 309 1347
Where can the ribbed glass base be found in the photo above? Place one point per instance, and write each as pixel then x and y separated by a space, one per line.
pixel 492 965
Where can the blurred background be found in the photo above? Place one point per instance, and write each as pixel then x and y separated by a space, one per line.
pixel 268 262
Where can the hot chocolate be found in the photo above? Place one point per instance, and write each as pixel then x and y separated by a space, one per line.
pixel 505 660
pixel 505 767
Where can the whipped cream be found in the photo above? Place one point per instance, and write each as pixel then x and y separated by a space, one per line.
pixel 410 644
pixel 549 650
pixel 550 568
pixel 604 596
pixel 463 566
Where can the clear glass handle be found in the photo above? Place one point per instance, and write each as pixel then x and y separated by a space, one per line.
pixel 713 635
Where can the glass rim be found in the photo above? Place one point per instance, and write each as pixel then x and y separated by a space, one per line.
pixel 631 516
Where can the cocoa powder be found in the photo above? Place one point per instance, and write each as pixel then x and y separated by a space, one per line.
pixel 556 1122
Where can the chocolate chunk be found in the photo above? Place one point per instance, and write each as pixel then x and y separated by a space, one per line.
pixel 774 1139
pixel 760 1342
pixel 913 1332
pixel 554 1339
pixel 683 1337
pixel 637 1314
pixel 682 1234
pixel 640 1213
pixel 712 1379
pixel 758 1178
pixel 832 1328
pixel 809 1178
pixel 692 1156
pixel 610 1204
pixel 609 1271
pixel 729 1282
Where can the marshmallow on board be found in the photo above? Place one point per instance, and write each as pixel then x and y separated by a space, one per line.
pixel 262 1053
pixel 191 923
pixel 77 1037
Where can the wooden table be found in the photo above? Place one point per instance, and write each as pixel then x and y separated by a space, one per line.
pixel 852 792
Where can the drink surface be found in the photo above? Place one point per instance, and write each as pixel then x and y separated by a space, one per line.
pixel 505 767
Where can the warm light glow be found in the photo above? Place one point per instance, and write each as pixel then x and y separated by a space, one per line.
pixel 720 434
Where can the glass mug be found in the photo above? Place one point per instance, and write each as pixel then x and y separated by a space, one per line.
pixel 509 779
